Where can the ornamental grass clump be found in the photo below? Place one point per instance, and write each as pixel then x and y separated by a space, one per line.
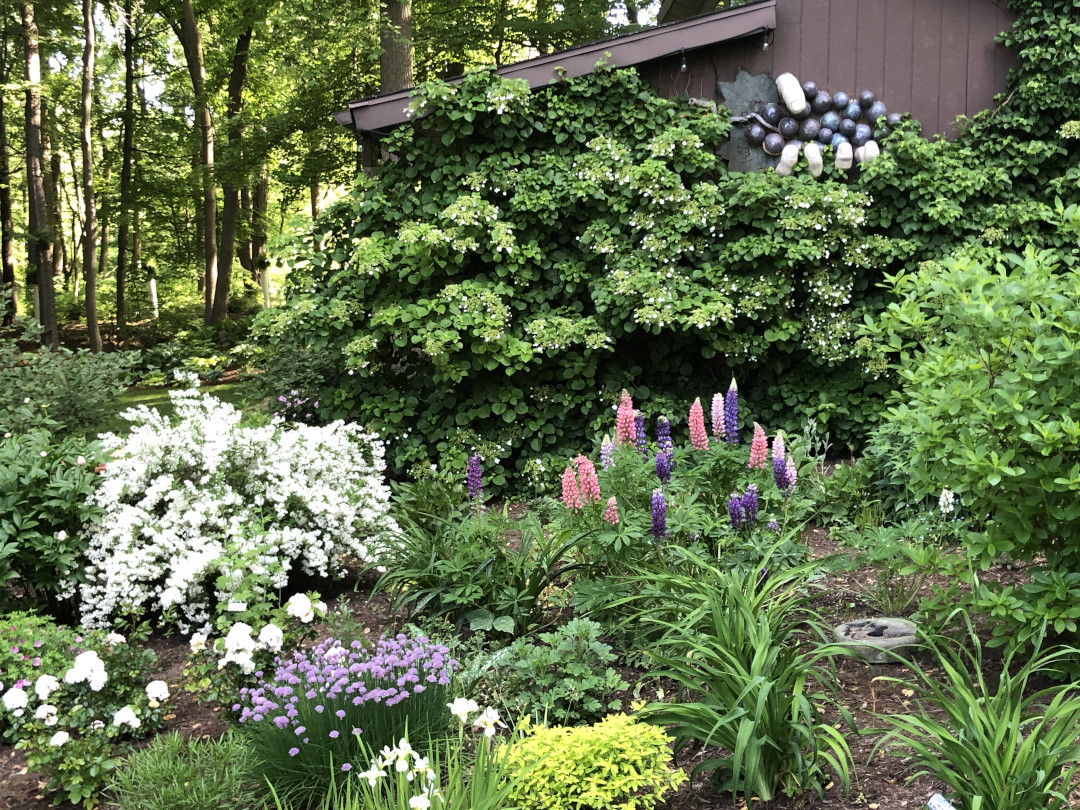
pixel 309 715
pixel 199 511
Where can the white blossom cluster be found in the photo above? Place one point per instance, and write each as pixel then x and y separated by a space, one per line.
pixel 197 507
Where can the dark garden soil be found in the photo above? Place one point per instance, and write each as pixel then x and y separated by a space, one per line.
pixel 879 782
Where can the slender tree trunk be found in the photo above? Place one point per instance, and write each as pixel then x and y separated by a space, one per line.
pixel 10 304
pixel 230 193
pixel 191 40
pixel 260 202
pixel 123 229
pixel 90 219
pixel 315 191
pixel 243 251
pixel 53 188
pixel 396 39
pixel 39 241
pixel 103 214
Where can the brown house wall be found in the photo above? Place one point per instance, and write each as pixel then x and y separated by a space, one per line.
pixel 936 59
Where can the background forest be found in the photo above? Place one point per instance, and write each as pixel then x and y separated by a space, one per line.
pixel 173 140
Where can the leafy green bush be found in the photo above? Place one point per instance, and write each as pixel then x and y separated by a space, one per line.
pixel 531 250
pixel 72 722
pixel 177 774
pixel 487 570
pixel 45 507
pixel 994 746
pixel 617 762
pixel 729 643
pixel 58 388
pixel 564 678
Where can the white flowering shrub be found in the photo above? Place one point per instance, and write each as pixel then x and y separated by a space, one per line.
pixel 201 512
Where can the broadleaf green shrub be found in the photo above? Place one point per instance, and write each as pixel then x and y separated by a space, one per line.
pixel 528 255
pixel 46 508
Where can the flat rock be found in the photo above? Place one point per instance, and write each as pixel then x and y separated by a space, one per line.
pixel 877 639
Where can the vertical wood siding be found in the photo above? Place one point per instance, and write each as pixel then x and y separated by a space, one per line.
pixel 936 59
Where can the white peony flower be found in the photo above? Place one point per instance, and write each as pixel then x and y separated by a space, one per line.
pixel 61 535
pixel 45 686
pixel 15 700
pixel 271 637
pixel 239 638
pixel 112 639
pixel 88 668
pixel 299 607
pixel 59 738
pixel 126 716
pixel 157 691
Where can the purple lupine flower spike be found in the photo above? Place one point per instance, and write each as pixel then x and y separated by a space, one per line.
pixel 750 504
pixel 641 441
pixel 731 413
pixel 663 435
pixel 659 514
pixel 474 478
pixel 780 473
pixel 663 467
pixel 735 511
pixel 607 449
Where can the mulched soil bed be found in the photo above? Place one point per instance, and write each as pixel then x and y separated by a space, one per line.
pixel 879 783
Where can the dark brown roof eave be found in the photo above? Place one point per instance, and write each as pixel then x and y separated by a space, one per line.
pixel 380 113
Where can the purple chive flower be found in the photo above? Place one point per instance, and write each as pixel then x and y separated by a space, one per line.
pixel 346 767
pixel 294 751
pixel 731 413
pixel 641 441
pixel 735 511
pixel 750 504
pixel 663 435
pixel 473 477
pixel 659 514
pixel 607 449
pixel 663 467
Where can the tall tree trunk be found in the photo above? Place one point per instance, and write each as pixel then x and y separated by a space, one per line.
pixel 89 216
pixel 53 182
pixel 191 39
pixel 10 304
pixel 243 251
pixel 39 240
pixel 315 192
pixel 230 193
pixel 123 229
pixel 260 203
pixel 396 40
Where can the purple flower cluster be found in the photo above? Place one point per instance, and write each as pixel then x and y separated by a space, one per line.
pixel 731 414
pixel 663 436
pixel 659 514
pixel 780 473
pixel 743 509
pixel 336 677
pixel 296 408
pixel 641 441
pixel 663 467
pixel 607 450
pixel 473 477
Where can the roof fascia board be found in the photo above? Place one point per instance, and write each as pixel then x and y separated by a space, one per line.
pixel 387 111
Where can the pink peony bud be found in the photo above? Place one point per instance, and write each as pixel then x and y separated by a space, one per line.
pixel 624 420
pixel 699 438
pixel 611 514
pixel 759 448
pixel 571 495
pixel 590 486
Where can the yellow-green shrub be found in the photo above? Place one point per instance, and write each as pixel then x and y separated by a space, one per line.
pixel 614 763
